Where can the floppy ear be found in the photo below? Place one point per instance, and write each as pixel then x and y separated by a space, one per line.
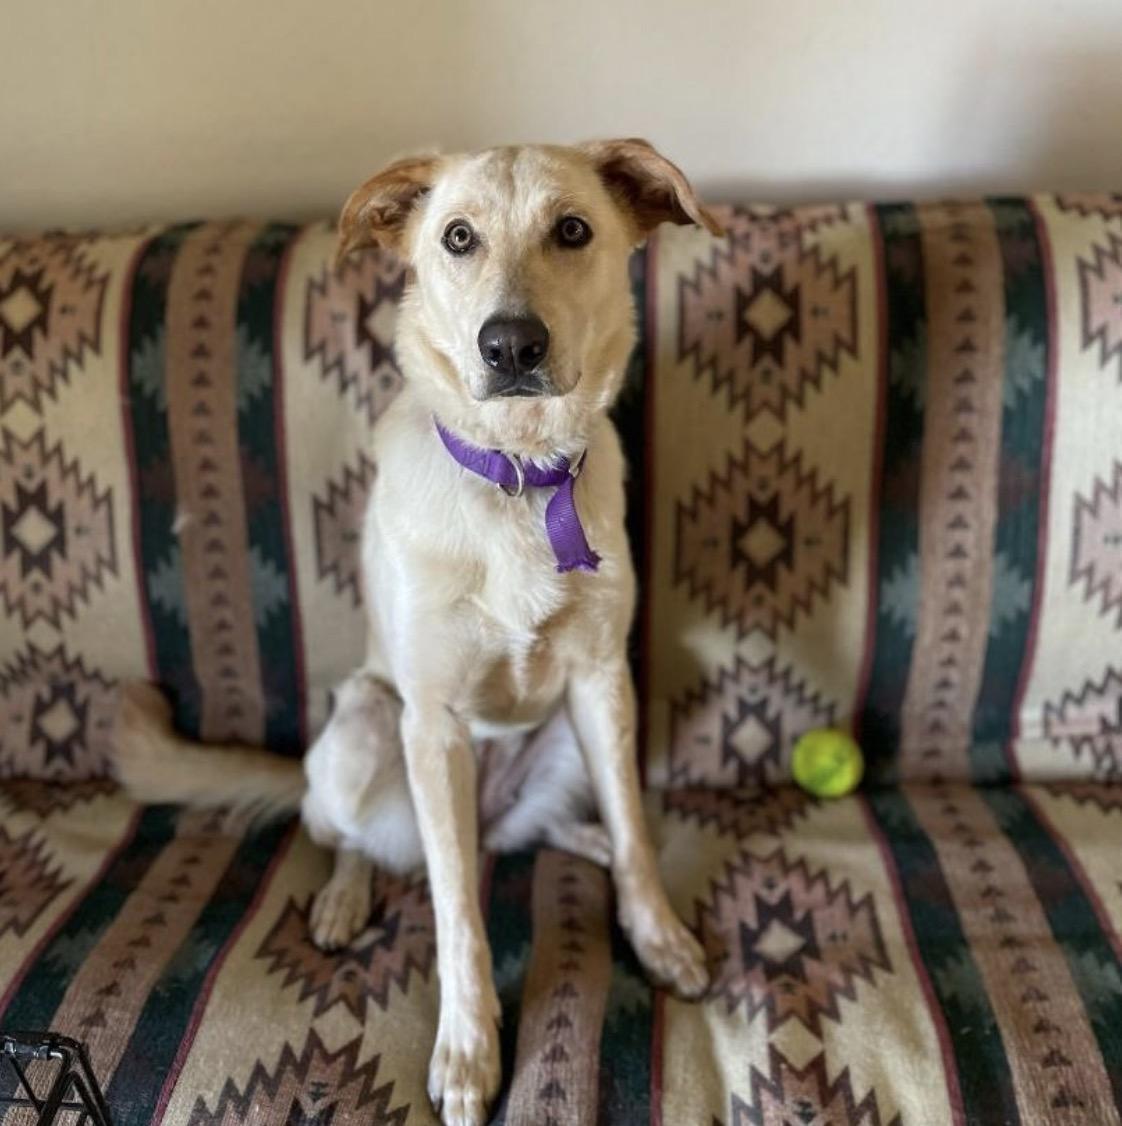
pixel 648 185
pixel 376 213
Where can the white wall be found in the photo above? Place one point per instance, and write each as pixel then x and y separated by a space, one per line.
pixel 120 110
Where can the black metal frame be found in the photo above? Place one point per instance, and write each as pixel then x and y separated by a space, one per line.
pixel 74 1090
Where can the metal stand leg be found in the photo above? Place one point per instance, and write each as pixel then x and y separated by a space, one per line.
pixel 73 1090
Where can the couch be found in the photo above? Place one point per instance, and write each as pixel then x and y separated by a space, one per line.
pixel 876 482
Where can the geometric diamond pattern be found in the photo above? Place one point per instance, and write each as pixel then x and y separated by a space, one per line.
pixel 761 540
pixel 398 940
pixel 786 943
pixel 59 713
pixel 764 317
pixel 50 314
pixel 738 729
pixel 56 531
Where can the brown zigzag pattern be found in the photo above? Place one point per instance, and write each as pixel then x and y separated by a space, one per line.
pixel 790 1095
pixel 784 225
pixel 51 302
pixel 1089 721
pixel 740 814
pixel 46 798
pixel 761 541
pixel 60 711
pixel 399 940
pixel 316 1086
pixel 738 728
pixel 28 882
pixel 57 541
pixel 1108 799
pixel 763 319
pixel 337 518
pixel 349 314
pixel 1091 205
pixel 785 943
pixel 1100 281
pixel 1096 549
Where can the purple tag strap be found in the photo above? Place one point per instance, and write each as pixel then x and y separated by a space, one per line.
pixel 563 526
pixel 514 476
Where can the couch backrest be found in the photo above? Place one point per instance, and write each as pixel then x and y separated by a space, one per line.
pixel 876 481
pixel 887 490
pixel 186 415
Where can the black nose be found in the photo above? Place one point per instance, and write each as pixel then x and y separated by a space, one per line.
pixel 513 346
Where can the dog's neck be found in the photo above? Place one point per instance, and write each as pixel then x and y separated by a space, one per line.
pixel 535 430
pixel 538 430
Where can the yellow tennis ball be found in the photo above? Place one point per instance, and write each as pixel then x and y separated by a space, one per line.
pixel 827 763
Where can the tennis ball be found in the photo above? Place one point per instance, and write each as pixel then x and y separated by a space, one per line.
pixel 827 763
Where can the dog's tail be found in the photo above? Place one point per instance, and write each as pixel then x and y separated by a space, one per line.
pixel 156 764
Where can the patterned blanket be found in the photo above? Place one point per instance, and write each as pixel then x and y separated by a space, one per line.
pixel 876 482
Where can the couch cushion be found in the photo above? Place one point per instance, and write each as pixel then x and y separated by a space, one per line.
pixel 926 955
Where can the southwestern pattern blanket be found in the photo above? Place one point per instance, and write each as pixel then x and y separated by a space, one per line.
pixel 876 482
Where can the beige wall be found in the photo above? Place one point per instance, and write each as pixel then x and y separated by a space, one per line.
pixel 119 110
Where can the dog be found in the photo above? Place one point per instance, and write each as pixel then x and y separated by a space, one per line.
pixel 496 687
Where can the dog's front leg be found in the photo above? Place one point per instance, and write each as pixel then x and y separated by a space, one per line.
pixel 602 702
pixel 464 1070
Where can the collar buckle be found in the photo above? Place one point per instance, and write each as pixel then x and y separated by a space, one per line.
pixel 519 473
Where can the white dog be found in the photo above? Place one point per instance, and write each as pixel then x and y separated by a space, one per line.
pixel 502 587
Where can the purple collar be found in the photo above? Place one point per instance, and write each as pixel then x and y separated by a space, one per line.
pixel 513 475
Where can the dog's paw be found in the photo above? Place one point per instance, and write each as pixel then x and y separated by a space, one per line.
pixel 340 913
pixel 587 839
pixel 670 954
pixel 465 1070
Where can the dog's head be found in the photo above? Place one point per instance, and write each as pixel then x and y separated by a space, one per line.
pixel 520 306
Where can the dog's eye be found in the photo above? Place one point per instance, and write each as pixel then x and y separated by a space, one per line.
pixel 459 238
pixel 571 231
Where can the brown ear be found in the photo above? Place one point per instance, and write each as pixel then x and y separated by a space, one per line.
pixel 375 214
pixel 648 185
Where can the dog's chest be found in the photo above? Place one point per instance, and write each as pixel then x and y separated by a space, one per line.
pixel 520 588
pixel 521 608
pixel 515 686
